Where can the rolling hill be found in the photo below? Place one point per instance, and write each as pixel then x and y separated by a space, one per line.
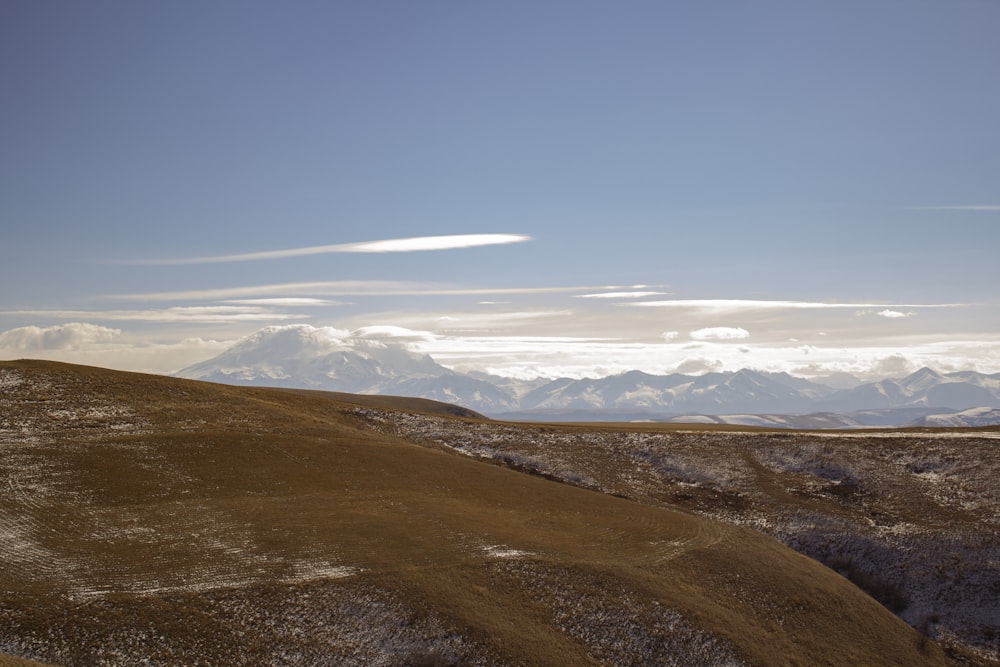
pixel 912 516
pixel 165 521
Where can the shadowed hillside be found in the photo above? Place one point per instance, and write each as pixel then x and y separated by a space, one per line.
pixel 176 522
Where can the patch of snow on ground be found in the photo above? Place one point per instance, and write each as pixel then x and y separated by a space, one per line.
pixel 502 551
pixel 9 379
pixel 311 571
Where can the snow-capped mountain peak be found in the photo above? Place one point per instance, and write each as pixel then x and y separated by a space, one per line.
pixel 380 360
pixel 921 380
pixel 322 358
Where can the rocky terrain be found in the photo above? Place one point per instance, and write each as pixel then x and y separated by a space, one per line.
pixel 153 520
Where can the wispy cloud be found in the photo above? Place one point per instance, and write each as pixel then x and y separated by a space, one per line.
pixel 745 305
pixel 391 332
pixel 620 295
pixel 988 207
pixel 287 302
pixel 189 314
pixel 282 290
pixel 414 244
pixel 490 321
pixel 336 288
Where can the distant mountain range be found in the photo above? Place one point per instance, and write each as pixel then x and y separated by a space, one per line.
pixel 300 356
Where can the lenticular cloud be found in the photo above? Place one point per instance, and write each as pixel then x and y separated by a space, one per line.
pixel 433 243
pixel 415 244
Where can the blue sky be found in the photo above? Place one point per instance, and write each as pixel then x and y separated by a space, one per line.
pixel 786 185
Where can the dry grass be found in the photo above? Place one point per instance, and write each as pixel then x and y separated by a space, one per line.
pixel 149 520
pixel 912 517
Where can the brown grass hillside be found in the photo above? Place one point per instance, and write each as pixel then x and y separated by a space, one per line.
pixel 161 521
pixel 911 516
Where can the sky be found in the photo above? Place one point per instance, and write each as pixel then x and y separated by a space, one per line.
pixel 545 188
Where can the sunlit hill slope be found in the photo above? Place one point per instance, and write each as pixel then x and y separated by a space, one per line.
pixel 164 521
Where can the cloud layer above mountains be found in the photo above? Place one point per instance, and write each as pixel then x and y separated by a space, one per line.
pixel 526 331
pixel 518 355
pixel 481 184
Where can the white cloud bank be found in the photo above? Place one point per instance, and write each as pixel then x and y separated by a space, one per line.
pixel 176 314
pixel 333 288
pixel 95 345
pixel 414 244
pixel 70 336
pixel 988 207
pixel 552 357
pixel 529 356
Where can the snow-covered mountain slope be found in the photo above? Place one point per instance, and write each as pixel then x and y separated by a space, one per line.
pixel 926 388
pixel 814 421
pixel 972 417
pixel 320 358
pixel 461 389
pixel 303 356
pixel 889 417
pixel 363 363
pixel 744 390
